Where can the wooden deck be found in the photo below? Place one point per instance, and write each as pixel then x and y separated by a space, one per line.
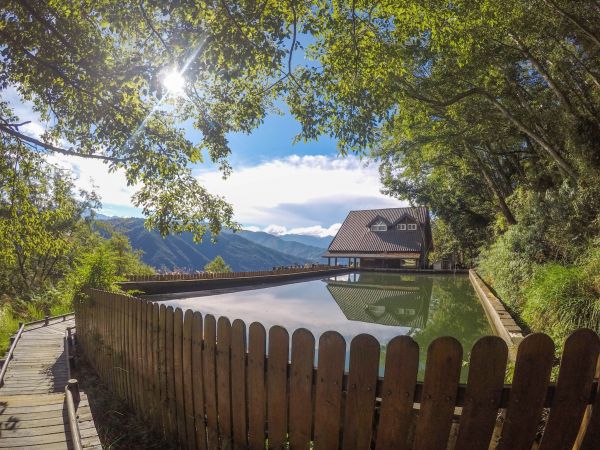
pixel 33 411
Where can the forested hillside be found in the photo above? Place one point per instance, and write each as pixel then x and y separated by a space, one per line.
pixel 238 250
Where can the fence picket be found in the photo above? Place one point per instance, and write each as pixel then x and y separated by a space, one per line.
pixel 130 353
pixel 440 385
pixel 256 386
pixel 156 407
pixel 360 396
pixel 591 438
pixel 484 390
pixel 143 360
pixel 188 390
pixel 400 378
pixel 170 377
pixel 532 373
pixel 224 381
pixel 575 378
pixel 198 381
pixel 149 362
pixel 201 383
pixel 210 381
pixel 330 374
pixel 301 395
pixel 162 368
pixel 277 386
pixel 238 383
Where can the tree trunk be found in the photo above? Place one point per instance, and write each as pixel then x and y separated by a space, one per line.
pixel 564 166
pixel 575 21
pixel 562 97
pixel 492 185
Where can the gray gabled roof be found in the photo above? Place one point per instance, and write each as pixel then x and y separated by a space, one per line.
pixel 356 236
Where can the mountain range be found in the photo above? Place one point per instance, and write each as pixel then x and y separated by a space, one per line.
pixel 243 250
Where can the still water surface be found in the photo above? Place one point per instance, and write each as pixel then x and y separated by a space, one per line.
pixel 383 305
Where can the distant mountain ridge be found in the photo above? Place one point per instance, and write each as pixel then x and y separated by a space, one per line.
pixel 288 247
pixel 243 250
pixel 314 241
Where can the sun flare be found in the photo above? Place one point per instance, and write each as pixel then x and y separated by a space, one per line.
pixel 174 82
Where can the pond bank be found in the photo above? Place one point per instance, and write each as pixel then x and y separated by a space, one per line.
pixel 500 319
pixel 191 285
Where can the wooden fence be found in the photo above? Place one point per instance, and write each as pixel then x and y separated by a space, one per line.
pixel 213 384
pixel 209 276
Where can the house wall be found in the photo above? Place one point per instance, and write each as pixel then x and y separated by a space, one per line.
pixel 381 263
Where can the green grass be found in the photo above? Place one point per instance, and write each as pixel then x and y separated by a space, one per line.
pixel 553 298
pixel 8 326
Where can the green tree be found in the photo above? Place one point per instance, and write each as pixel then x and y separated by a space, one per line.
pixel 93 70
pixel 42 230
pixel 217 265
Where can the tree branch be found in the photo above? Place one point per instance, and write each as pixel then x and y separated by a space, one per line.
pixel 23 137
pixel 154 31
pixel 589 33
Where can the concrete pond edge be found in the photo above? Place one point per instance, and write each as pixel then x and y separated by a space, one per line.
pixel 500 319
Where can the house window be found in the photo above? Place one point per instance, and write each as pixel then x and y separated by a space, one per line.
pixel 401 226
pixel 412 226
pixel 379 226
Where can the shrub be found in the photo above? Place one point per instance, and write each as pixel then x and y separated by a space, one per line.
pixel 8 325
pixel 217 265
pixel 553 298
pixel 507 265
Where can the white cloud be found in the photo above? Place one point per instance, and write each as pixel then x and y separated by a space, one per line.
pixel 315 230
pixel 33 129
pixel 92 174
pixel 300 191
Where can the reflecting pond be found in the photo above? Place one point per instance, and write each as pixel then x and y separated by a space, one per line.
pixel 381 304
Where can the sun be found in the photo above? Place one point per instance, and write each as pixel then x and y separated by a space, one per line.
pixel 174 83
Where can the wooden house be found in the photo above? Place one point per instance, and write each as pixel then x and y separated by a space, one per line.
pixel 393 238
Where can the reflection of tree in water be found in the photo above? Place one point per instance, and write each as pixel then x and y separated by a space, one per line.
pixel 453 311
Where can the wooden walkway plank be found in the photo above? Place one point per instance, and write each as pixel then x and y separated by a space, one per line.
pixel 32 397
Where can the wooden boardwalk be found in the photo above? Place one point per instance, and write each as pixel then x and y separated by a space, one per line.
pixel 33 411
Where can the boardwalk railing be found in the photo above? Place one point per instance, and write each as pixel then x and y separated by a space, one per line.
pixel 213 384
pixel 10 352
pixel 209 276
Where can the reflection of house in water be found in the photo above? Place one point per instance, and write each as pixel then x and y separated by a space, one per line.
pixel 369 297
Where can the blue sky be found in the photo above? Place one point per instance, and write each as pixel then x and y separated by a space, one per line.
pixel 276 186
